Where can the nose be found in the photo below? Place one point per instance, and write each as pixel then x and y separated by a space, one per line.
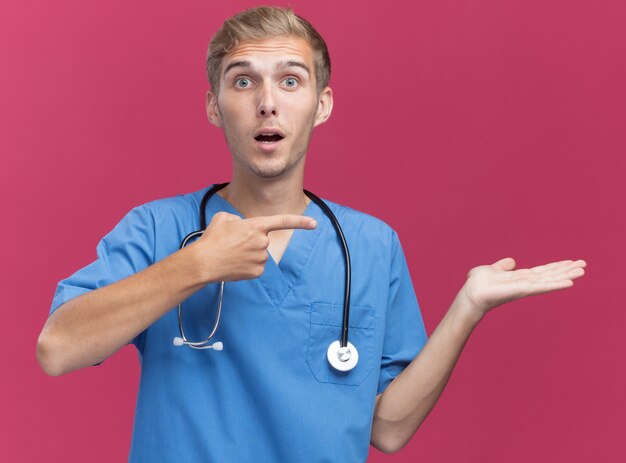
pixel 267 103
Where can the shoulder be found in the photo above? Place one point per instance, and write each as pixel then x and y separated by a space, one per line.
pixel 181 208
pixel 363 224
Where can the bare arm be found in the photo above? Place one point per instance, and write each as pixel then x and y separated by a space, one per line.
pixel 91 327
pixel 410 397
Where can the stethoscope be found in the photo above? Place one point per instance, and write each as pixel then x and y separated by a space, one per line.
pixel 341 354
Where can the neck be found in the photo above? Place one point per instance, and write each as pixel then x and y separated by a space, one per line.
pixel 263 197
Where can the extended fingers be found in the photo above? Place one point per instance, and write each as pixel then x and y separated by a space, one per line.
pixel 547 286
pixel 552 265
pixel 555 272
pixel 283 222
pixel 553 279
pixel 557 267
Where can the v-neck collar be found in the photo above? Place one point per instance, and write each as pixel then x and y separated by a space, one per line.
pixel 278 279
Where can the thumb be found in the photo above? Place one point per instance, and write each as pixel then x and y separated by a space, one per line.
pixel 224 217
pixel 508 263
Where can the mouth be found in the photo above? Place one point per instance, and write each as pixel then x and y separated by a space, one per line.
pixel 268 139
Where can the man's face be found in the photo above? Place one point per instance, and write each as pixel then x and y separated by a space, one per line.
pixel 268 105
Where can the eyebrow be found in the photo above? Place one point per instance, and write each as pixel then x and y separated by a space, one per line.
pixel 281 65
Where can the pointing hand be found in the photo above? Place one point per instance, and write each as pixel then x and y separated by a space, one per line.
pixel 232 248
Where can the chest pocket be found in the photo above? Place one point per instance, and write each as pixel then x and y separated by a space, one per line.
pixel 326 321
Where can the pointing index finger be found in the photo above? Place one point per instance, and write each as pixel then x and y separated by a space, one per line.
pixel 284 222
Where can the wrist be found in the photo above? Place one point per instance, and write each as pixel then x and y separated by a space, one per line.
pixel 198 267
pixel 466 309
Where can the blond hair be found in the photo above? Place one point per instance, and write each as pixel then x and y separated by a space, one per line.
pixel 261 23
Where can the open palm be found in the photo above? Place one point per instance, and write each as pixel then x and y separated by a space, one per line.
pixel 489 286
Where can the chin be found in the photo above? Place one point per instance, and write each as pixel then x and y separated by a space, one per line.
pixel 269 172
pixel 270 175
pixel 272 168
pixel 277 167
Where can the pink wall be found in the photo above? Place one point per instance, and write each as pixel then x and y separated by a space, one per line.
pixel 478 130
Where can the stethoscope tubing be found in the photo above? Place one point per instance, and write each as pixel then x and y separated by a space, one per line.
pixel 348 268
pixel 198 344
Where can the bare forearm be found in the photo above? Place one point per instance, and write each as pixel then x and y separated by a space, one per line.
pixel 411 396
pixel 90 328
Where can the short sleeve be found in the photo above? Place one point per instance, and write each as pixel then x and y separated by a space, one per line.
pixel 405 334
pixel 127 249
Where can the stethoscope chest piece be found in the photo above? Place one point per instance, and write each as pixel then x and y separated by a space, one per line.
pixel 342 358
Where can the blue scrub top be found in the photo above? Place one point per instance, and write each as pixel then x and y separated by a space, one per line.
pixel 270 395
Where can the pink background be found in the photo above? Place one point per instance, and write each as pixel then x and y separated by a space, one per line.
pixel 478 130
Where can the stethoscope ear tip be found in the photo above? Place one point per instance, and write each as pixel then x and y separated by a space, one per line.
pixel 178 341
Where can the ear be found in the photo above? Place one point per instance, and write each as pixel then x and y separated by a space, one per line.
pixel 324 106
pixel 212 110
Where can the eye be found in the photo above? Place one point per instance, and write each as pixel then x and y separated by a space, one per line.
pixel 291 82
pixel 244 82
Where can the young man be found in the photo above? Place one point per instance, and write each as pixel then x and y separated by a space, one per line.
pixel 271 394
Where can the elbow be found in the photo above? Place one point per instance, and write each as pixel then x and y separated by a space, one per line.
pixel 388 440
pixel 389 445
pixel 47 356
